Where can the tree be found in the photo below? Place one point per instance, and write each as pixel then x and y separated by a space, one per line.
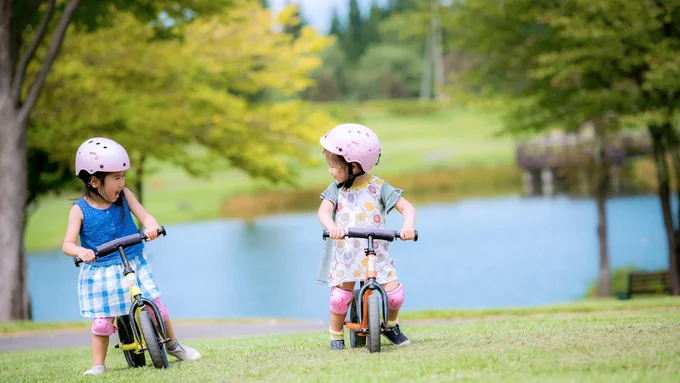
pixel 296 23
pixel 353 39
pixel 565 63
pixel 24 26
pixel 197 93
pixel 386 71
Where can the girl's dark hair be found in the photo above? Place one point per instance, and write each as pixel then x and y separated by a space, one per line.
pixel 92 192
pixel 340 160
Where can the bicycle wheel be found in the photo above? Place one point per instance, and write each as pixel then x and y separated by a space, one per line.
pixel 153 341
pixel 373 324
pixel 126 336
pixel 355 340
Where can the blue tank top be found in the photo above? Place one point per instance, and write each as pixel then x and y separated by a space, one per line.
pixel 104 225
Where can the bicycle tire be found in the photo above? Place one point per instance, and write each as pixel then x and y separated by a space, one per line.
pixel 355 341
pixel 153 341
pixel 373 324
pixel 126 336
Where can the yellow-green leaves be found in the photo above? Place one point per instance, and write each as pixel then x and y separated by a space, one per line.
pixel 228 87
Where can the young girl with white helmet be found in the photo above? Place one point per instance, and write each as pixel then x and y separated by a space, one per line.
pixel 359 199
pixel 103 214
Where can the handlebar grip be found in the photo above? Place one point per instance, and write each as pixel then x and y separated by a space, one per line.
pixel 162 231
pixel 77 261
pixel 325 235
pixel 397 234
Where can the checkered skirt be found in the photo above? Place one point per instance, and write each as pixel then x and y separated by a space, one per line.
pixel 104 292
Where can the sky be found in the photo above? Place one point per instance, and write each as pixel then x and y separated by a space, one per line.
pixel 318 12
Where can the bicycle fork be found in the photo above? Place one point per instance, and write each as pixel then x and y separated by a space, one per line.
pixel 138 303
pixel 366 289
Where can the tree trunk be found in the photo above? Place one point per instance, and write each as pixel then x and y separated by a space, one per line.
pixel 671 141
pixel 13 291
pixel 657 133
pixel 14 302
pixel 426 76
pixel 13 170
pixel 437 55
pixel 604 288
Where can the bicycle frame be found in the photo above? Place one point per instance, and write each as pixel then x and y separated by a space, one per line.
pixel 367 287
pixel 138 303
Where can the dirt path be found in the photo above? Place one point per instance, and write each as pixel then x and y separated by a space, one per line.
pixel 76 338
pixel 185 331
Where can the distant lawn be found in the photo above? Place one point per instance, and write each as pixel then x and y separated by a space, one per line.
pixel 639 346
pixel 453 138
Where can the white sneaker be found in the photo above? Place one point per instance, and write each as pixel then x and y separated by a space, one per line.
pixel 96 370
pixel 183 352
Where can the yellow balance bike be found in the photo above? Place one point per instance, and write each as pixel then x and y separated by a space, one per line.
pixel 137 331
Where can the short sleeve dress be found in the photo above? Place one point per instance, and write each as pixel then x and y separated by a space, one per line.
pixel 363 205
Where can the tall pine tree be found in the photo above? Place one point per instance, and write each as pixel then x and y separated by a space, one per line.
pixel 353 43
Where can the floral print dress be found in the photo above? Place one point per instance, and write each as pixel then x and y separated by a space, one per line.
pixel 363 205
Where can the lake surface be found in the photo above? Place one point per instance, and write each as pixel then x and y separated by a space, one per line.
pixel 476 253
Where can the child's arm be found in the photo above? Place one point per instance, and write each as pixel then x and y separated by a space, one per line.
pixel 409 212
pixel 69 247
pixel 325 215
pixel 150 224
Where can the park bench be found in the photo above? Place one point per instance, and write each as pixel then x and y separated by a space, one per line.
pixel 646 282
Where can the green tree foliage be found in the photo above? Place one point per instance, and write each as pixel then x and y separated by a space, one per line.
pixel 609 62
pixel 168 98
pixel 387 71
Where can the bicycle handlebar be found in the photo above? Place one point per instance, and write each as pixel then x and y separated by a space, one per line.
pixel 362 232
pixel 112 246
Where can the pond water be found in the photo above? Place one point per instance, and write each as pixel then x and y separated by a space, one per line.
pixel 476 253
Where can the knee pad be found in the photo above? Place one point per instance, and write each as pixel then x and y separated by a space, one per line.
pixel 395 298
pixel 161 307
pixel 340 300
pixel 103 326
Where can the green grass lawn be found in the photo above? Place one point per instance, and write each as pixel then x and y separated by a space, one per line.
pixel 588 305
pixel 614 346
pixel 447 139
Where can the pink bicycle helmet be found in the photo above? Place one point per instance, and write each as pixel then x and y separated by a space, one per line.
pixel 101 155
pixel 354 142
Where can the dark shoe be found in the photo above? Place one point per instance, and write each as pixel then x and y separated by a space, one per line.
pixel 395 335
pixel 337 345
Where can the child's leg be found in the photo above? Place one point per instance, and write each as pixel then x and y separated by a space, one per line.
pixel 395 298
pixel 174 348
pixel 102 328
pixel 340 299
pixel 100 345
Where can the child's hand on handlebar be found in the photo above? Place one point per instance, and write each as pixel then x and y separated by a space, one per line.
pixel 336 233
pixel 407 233
pixel 86 255
pixel 151 233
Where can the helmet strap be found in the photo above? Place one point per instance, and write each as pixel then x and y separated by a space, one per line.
pixel 351 177
pixel 96 191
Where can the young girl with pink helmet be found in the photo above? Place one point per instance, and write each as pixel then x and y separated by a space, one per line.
pixel 103 214
pixel 357 198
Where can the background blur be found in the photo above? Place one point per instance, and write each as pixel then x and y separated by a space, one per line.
pixel 516 129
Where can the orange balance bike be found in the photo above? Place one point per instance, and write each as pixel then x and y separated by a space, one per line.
pixel 363 319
